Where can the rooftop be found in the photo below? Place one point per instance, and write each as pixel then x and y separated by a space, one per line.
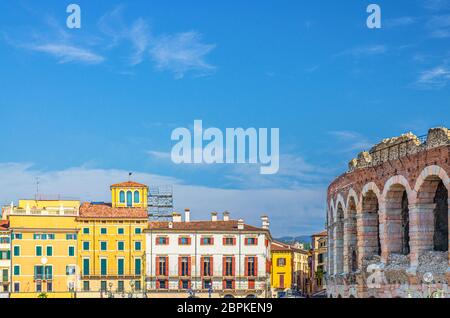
pixel 105 210
pixel 231 225
pixel 129 184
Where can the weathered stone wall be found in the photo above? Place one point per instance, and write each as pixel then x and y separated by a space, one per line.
pixel 395 193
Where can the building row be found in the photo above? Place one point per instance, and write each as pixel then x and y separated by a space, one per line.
pixel 62 248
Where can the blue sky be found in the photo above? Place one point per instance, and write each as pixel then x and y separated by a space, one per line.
pixel 81 108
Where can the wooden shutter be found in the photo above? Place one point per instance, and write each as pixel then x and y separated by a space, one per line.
pixel 180 267
pixel 167 266
pixel 211 266
pixel 202 266
pixel 224 269
pixel 256 265
pixel 233 265
pixel 157 266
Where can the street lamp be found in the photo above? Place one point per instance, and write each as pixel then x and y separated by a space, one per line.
pixel 110 290
pixel 130 295
pixel 428 278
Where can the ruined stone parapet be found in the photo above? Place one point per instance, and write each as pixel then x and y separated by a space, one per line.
pixel 397 147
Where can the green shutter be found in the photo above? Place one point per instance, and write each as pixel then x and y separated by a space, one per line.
pixel 120 266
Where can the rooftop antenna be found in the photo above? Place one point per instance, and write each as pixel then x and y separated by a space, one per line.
pixel 129 176
pixel 37 188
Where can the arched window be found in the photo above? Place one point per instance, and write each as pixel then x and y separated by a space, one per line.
pixel 136 197
pixel 129 199
pixel 122 197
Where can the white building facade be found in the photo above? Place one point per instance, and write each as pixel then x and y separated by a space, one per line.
pixel 217 258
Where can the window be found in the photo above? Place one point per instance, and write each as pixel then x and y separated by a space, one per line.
pixel 49 287
pixel 71 250
pixel 138 230
pixel 122 197
pixel 137 246
pixel 120 266
pixel 16 270
pixel 104 246
pixel 70 270
pixel 38 272
pixel 229 241
pixel 16 250
pixel 5 255
pixel 162 284
pixel 229 284
pixel 5 240
pixel 49 250
pixel 137 266
pixel 136 197
pixel 85 246
pixel 162 266
pixel 184 241
pixel 48 272
pixel 103 231
pixel 16 236
pixel 38 250
pixel 184 266
pixel 251 266
pixel 86 286
pixel 162 240
pixel 51 236
pixel 129 199
pixel 103 267
pixel 137 285
pixel 207 284
pixel 229 266
pixel 251 241
pixel 17 287
pixel 85 230
pixel 36 236
pixel 207 241
pixel 71 237
pixel 103 286
pixel 281 262
pixel 39 287
pixel 120 286
pixel 86 270
pixel 185 284
pixel 120 245
pixel 120 231
pixel 207 271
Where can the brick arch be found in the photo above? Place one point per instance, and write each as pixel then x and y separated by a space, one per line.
pixel 350 234
pixel 339 201
pixel 371 186
pixel 399 180
pixel 339 235
pixel 432 171
pixel 352 195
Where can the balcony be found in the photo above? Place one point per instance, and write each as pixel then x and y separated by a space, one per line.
pixel 113 276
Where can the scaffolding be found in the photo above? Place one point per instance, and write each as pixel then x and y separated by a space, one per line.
pixel 160 203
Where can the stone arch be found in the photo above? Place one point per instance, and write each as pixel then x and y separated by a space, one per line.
pixel 330 263
pixel 352 195
pixel 430 215
pixel 369 244
pixel 397 197
pixel 339 237
pixel 339 202
pixel 350 236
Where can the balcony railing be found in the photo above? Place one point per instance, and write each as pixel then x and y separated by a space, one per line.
pixel 43 277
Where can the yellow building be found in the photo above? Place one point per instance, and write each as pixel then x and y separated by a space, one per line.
pixel 43 247
pixel 300 270
pixel 318 261
pixel 281 269
pixel 112 242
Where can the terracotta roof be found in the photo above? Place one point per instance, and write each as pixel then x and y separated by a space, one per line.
pixel 103 210
pixel 4 225
pixel 282 247
pixel 129 184
pixel 323 233
pixel 231 225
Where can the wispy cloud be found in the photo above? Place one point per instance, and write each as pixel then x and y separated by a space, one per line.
pixel 401 21
pixel 364 51
pixel 435 78
pixel 352 141
pixel 439 26
pixel 181 53
pixel 67 53
pixel 436 5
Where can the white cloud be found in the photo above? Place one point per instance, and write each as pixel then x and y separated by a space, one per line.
pixel 364 51
pixel 353 141
pixel 293 211
pixel 181 53
pixel 436 5
pixel 68 53
pixel 435 78
pixel 399 22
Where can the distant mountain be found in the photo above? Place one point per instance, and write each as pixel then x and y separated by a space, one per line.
pixel 305 239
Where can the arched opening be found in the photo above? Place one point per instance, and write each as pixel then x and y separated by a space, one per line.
pixel 351 296
pixel 440 237
pixel 397 220
pixel 339 240
pixel 370 244
pixel 129 199
pixel 136 197
pixel 350 238
pixel 122 196
pixel 433 204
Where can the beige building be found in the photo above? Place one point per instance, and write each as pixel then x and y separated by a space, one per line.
pixel 318 261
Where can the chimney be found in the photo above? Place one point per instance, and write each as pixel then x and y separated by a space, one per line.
pixel 265 222
pixel 187 215
pixel 176 217
pixel 170 225
pixel 214 216
pixel 226 216
pixel 240 224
